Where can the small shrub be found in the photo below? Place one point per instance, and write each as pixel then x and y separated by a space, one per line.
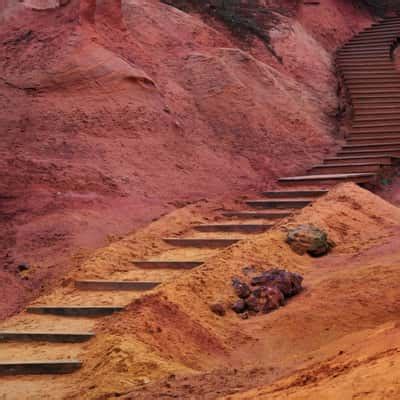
pixel 381 7
pixel 243 17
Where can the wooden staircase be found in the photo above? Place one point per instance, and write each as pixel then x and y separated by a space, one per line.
pixel 373 87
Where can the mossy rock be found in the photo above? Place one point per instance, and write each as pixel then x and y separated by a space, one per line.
pixel 309 239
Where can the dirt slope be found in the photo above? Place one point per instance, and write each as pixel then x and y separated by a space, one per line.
pixel 169 343
pixel 106 128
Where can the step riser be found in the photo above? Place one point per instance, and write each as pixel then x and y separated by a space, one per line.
pixel 357 98
pixel 371 82
pixel 366 153
pixel 380 50
pixel 199 243
pixel 375 36
pixel 364 104
pixel 328 181
pixel 376 130
pixel 359 51
pixel 363 109
pixel 342 170
pixel 384 93
pixel 50 368
pixel 374 133
pixel 351 74
pixel 360 59
pixel 342 66
pixel 104 286
pixel 365 84
pixel 384 39
pixel 363 52
pixel 366 56
pixel 382 25
pixel 377 114
pixel 234 228
pixel 372 148
pixel 184 265
pixel 75 312
pixel 374 120
pixel 45 337
pixel 367 42
pixel 255 215
pixel 287 194
pixel 367 141
pixel 362 70
pixel 363 49
pixel 383 160
pixel 282 204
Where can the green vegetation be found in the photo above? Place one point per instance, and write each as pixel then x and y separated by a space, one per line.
pixel 245 18
pixel 380 7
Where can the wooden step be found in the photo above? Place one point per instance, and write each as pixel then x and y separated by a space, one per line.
pixel 378 112
pixel 160 264
pixel 378 126
pixel 201 242
pixel 347 65
pixel 383 159
pixel 365 58
pixel 295 193
pixel 374 116
pixel 369 42
pixel 380 107
pixel 382 25
pixel 380 30
pixel 372 139
pixel 375 97
pixel 374 84
pixel 357 63
pixel 280 203
pixel 375 132
pixel 363 103
pixel 374 62
pixel 115 285
pixel 48 367
pixel 244 228
pixel 329 178
pixel 365 84
pixel 385 43
pixel 258 214
pixel 375 146
pixel 345 168
pixel 75 311
pixel 386 38
pixel 352 153
pixel 369 76
pixel 384 31
pixel 365 36
pixel 389 118
pixel 383 92
pixel 381 55
pixel 350 73
pixel 370 50
pixel 363 49
pixel 57 337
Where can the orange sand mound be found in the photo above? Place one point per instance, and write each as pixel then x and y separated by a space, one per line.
pixel 174 323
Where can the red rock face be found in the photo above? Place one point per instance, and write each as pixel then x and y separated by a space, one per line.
pixel 109 125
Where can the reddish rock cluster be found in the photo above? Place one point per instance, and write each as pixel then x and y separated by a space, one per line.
pixel 265 292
